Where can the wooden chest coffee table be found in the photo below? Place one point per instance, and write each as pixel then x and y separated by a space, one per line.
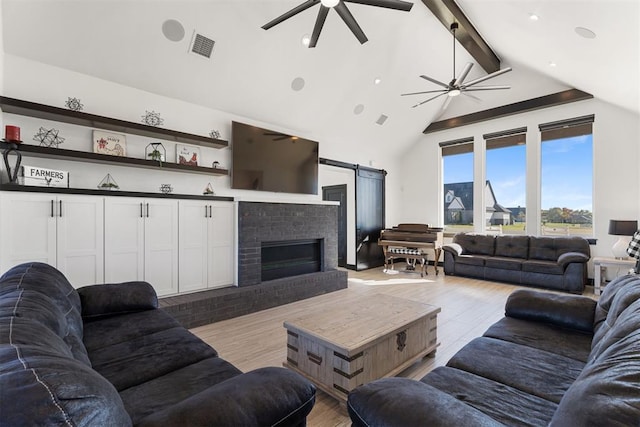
pixel 347 344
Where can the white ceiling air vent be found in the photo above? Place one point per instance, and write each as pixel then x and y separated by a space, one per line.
pixel 382 119
pixel 201 45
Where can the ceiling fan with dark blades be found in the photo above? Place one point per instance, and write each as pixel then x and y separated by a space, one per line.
pixel 342 10
pixel 457 85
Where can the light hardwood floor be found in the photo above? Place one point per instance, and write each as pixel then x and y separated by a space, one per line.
pixel 468 306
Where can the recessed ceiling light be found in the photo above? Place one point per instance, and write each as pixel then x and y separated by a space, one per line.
pixel 552 64
pixel 306 39
pixel 173 30
pixel 297 84
pixel 377 81
pixel 533 17
pixel 585 32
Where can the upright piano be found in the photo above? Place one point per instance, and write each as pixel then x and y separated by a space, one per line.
pixel 411 242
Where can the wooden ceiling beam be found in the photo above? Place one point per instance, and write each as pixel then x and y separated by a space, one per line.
pixel 559 98
pixel 447 11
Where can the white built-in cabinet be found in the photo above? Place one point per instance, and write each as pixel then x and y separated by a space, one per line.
pixel 177 245
pixel 206 244
pixel 141 242
pixel 62 230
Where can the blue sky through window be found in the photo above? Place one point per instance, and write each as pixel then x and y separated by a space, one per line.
pixel 566 175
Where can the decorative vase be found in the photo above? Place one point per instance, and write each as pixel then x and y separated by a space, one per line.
pixel 12 173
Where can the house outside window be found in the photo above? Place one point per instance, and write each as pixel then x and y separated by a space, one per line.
pixel 566 177
pixel 505 190
pixel 457 159
pixel 566 181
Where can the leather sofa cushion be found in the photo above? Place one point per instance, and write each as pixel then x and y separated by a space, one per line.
pixel 512 246
pixel 531 370
pixel 504 263
pixel 546 267
pixel 550 248
pixel 471 260
pixel 39 292
pixel 544 336
pixel 161 392
pixel 567 311
pixel 616 298
pixel 404 402
pixel 626 323
pixel 112 299
pixel 505 404
pixel 103 333
pixel 149 356
pixel 38 387
pixel 543 248
pixel 606 392
pixel 472 243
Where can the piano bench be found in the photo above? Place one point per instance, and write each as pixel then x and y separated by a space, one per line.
pixel 408 254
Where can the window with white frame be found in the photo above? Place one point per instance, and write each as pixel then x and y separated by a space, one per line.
pixel 566 177
pixel 457 167
pixel 506 184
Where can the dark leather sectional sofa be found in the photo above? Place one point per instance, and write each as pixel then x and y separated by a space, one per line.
pixel 105 355
pixel 554 359
pixel 558 263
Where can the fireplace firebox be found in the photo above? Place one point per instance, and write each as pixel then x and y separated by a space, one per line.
pixel 291 258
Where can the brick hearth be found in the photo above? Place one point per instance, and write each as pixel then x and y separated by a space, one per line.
pixel 267 222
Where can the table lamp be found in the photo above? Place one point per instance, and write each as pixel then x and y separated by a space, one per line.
pixel 633 250
pixel 623 229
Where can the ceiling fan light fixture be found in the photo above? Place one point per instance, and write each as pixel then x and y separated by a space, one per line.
pixel 453 92
pixel 329 3
pixel 306 39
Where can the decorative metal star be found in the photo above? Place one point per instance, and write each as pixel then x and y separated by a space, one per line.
pixel 48 137
pixel 152 118
pixel 214 134
pixel 74 104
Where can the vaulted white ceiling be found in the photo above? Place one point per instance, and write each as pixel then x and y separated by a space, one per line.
pixel 251 70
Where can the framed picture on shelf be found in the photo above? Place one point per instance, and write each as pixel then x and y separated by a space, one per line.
pixel 187 155
pixel 113 144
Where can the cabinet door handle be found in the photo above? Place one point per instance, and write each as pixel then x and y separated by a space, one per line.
pixel 147 210
pixel 60 213
pixel 210 212
pixel 52 209
pixel 206 215
pixel 141 214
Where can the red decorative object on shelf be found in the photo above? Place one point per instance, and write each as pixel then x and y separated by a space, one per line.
pixel 12 134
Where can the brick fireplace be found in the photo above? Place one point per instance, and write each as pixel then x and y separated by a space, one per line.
pixel 264 224
pixel 279 226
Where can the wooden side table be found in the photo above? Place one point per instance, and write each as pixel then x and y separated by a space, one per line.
pixel 600 263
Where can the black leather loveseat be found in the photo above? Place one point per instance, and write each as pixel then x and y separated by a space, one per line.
pixel 558 263
pixel 558 360
pixel 105 355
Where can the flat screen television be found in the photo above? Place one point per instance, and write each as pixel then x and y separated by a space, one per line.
pixel 266 160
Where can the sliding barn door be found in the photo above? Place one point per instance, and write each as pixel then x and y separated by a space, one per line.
pixel 369 217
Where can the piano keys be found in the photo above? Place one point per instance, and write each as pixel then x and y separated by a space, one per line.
pixel 413 242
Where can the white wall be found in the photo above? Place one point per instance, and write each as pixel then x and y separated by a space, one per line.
pixel 37 82
pixel 616 140
pixel 331 175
